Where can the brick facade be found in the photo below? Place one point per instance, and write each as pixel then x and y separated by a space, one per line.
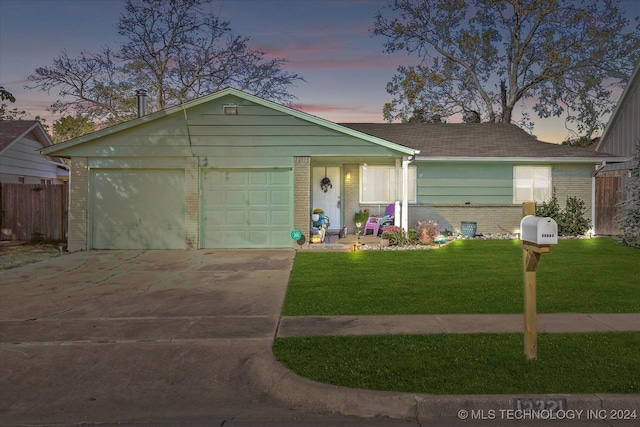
pixel 489 218
pixel 302 196
pixel 192 202
pixel 78 214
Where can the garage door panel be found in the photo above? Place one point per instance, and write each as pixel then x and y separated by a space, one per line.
pixel 280 218
pixel 258 198
pixel 256 178
pixel 257 212
pixel 280 198
pixel 137 209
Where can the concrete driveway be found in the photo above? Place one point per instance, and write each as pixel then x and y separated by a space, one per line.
pixel 110 336
pixel 182 338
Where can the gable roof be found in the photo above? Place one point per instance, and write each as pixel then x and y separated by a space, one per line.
pixel 225 92
pixel 477 141
pixel 13 130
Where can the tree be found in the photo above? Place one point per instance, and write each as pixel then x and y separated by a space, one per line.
pixel 581 141
pixel 5 95
pixel 489 56
pixel 629 213
pixel 5 113
pixel 69 127
pixel 92 85
pixel 175 49
pixel 15 113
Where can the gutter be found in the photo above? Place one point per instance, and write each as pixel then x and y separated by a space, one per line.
pixel 524 159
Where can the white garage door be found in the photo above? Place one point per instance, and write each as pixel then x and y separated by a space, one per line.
pixel 247 209
pixel 136 209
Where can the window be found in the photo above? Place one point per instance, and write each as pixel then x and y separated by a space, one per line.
pixel 531 183
pixel 378 184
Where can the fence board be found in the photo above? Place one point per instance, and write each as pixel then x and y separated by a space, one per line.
pixel 33 212
pixel 610 190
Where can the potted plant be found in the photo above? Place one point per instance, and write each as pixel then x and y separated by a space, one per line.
pixel 316 216
pixel 361 216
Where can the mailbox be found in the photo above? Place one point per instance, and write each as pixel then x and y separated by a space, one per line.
pixel 539 230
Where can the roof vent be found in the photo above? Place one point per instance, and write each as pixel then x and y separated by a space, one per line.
pixel 141 94
pixel 230 109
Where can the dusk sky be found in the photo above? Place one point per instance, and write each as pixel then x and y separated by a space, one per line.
pixel 327 42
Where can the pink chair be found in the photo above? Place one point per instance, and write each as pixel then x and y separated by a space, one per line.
pixel 373 224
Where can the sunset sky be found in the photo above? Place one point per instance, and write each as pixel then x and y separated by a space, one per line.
pixel 327 42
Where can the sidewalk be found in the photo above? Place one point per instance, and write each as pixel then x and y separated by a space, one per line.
pixel 291 326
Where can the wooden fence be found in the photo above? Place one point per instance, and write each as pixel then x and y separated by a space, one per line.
pixel 33 212
pixel 610 191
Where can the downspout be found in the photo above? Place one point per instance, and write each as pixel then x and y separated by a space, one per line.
pixel 405 191
pixel 593 194
pixel 397 219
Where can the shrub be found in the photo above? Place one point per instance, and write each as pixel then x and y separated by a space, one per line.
pixel 629 213
pixel 570 220
pixel 427 231
pixel 550 208
pixel 395 234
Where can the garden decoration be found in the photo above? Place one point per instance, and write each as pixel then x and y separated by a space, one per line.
pixel 298 237
pixel 325 184
pixel 536 234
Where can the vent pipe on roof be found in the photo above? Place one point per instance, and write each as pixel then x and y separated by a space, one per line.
pixel 141 94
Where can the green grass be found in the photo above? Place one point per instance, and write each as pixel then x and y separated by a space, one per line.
pixel 472 276
pixel 468 364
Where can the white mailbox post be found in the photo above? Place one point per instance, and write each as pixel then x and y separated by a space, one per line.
pixel 536 233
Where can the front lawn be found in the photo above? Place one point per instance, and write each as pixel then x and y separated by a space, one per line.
pixel 468 364
pixel 470 276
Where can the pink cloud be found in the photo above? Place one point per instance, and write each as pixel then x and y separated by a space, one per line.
pixel 342 113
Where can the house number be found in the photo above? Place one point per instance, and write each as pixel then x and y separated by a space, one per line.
pixel 551 405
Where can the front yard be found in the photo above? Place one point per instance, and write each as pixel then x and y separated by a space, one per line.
pixel 470 276
pixel 579 276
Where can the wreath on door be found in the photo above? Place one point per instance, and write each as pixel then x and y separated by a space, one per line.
pixel 325 184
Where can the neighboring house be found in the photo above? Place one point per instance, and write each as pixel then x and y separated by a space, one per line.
pixel 33 189
pixel 20 159
pixel 231 170
pixel 621 137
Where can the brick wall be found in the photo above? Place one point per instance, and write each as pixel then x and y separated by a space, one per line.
pixel 192 201
pixel 573 180
pixel 302 196
pixel 78 220
pixel 489 218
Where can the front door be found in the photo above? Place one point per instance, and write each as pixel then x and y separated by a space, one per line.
pixel 327 196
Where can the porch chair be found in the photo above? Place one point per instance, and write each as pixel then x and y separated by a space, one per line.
pixel 389 215
pixel 375 223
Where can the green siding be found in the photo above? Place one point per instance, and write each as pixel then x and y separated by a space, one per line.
pixel 465 182
pixel 256 131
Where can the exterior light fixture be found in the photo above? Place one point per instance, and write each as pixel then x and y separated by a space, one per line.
pixel 230 109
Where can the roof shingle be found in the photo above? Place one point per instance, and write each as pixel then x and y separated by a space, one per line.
pixel 480 140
